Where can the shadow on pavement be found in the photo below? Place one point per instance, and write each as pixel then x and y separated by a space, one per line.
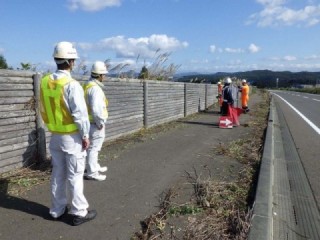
pixel 215 125
pixel 209 111
pixel 24 205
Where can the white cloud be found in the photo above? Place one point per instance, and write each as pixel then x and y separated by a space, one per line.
pixel 276 13
pixel 313 57
pixel 271 2
pixel 92 5
pixel 253 48
pixel 133 47
pixel 289 58
pixel 1 50
pixel 212 48
pixel 233 50
pixel 276 64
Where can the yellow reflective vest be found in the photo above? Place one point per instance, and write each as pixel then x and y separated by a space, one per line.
pixel 86 87
pixel 54 111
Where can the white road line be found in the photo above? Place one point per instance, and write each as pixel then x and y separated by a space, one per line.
pixel 301 115
pixel 316 99
pixel 305 97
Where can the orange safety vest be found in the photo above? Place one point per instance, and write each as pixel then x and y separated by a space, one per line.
pixel 245 95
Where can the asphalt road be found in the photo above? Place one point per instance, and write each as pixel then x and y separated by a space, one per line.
pixel 301 112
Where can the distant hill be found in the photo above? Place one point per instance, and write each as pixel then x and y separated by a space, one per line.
pixel 259 78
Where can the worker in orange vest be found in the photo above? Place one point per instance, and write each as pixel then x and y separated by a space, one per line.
pixel 244 95
pixel 220 100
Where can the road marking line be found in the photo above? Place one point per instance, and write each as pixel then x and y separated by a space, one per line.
pixel 305 97
pixel 301 115
pixel 316 99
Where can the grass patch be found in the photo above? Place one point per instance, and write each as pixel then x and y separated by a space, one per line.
pixel 184 210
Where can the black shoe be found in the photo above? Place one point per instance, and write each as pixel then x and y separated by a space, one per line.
pixel 77 220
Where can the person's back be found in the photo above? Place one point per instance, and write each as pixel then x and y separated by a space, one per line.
pixel 64 111
pixel 244 95
pixel 227 97
pixel 97 108
pixel 227 94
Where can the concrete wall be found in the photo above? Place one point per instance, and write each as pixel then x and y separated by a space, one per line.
pixel 17 119
pixel 133 104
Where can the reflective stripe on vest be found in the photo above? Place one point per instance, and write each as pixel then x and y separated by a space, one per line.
pixel 86 87
pixel 54 111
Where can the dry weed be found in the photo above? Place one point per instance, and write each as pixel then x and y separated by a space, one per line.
pixel 225 206
pixel 17 182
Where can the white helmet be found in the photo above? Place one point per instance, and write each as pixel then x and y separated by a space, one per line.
pixel 219 83
pixel 244 81
pixel 65 50
pixel 99 68
pixel 227 80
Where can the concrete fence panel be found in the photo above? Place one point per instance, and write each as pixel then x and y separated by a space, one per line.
pixel 125 107
pixel 165 102
pixel 133 104
pixel 18 136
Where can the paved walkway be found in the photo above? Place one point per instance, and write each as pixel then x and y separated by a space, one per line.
pixel 136 177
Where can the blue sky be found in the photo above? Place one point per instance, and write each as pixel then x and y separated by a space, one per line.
pixel 202 35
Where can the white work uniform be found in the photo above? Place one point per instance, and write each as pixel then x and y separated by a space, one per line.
pixel 68 156
pixel 97 104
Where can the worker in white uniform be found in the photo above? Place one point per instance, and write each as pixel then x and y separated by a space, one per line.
pixel 97 108
pixel 64 112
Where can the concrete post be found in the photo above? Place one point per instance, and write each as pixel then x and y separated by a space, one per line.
pixel 145 104
pixel 206 97
pixel 185 101
pixel 41 137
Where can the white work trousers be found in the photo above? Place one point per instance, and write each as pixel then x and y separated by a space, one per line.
pixel 96 140
pixel 68 164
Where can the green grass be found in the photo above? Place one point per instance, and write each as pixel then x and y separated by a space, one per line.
pixel 184 210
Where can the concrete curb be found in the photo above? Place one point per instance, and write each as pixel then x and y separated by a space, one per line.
pixel 261 222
